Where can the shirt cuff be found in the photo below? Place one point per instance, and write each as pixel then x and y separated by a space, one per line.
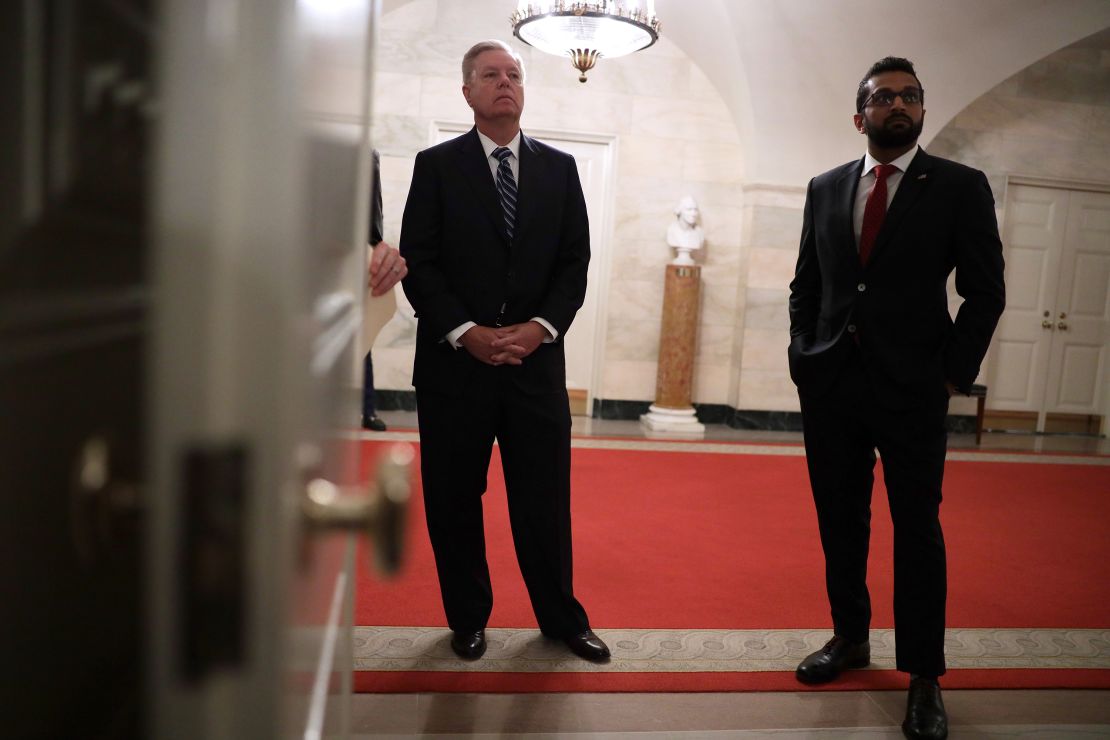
pixel 454 334
pixel 552 335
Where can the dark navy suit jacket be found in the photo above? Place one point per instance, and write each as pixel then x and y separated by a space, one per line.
pixel 941 218
pixel 463 266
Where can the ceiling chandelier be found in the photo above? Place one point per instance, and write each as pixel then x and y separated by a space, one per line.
pixel 586 31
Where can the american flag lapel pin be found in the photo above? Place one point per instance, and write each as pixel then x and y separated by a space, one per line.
pixel 922 177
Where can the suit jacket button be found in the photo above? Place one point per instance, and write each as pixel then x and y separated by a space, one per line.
pixel 851 328
pixel 861 287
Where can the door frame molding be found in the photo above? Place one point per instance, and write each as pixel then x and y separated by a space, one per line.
pixel 605 229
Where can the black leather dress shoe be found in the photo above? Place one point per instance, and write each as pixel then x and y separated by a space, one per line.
pixel 838 655
pixel 925 715
pixel 373 423
pixel 588 645
pixel 469 645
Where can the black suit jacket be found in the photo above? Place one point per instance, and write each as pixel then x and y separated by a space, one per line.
pixel 463 266
pixel 941 218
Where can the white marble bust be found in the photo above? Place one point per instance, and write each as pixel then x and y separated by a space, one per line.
pixel 684 233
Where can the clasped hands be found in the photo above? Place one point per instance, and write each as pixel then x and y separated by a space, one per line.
pixel 504 345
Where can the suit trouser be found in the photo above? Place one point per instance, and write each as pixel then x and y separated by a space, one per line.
pixel 842 430
pixel 533 434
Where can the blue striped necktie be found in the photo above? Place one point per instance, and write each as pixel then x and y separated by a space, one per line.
pixel 506 187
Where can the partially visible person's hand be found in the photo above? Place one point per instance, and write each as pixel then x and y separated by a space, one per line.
pixel 518 341
pixel 479 341
pixel 951 389
pixel 387 266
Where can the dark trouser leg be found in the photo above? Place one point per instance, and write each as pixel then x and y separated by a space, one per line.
pixel 535 451
pixel 456 439
pixel 367 387
pixel 912 445
pixel 841 460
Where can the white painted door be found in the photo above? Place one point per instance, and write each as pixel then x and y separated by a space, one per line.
pixel 594 156
pixel 259 233
pixel 1077 368
pixel 584 342
pixel 1050 351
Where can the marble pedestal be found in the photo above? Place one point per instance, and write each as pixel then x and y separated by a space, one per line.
pixel 673 411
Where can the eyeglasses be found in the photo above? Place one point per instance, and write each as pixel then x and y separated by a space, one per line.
pixel 885 98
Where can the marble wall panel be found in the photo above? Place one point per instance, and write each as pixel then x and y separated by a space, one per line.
pixel 396 133
pixel 765 390
pixel 628 380
pixel 768 308
pixel 441 99
pixel 421 53
pixel 771 268
pixel 1099 133
pixel 714 345
pixel 1070 75
pixel 418 15
pixel 576 109
pixel 765 349
pixel 776 227
pixel 654 161
pixel 711 382
pixel 710 161
pixel 718 303
pixel 660 117
pixel 396 93
pixel 1026 117
pixel 641 260
pixel 633 339
pixel 635 300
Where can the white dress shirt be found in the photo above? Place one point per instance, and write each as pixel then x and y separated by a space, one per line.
pixel 489 145
pixel 867 184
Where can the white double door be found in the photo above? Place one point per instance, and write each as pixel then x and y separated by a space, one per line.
pixel 1051 346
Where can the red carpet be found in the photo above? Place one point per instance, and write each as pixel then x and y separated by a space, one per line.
pixel 725 541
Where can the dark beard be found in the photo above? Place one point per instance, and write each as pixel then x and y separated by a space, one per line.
pixel 893 138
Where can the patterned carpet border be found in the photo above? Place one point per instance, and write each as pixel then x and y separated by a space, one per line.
pixel 776 450
pixel 714 651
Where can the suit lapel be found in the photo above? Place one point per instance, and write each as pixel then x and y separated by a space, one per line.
pixel 914 183
pixel 846 186
pixel 474 164
pixel 533 174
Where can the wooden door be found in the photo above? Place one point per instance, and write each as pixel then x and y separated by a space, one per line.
pixel 74 306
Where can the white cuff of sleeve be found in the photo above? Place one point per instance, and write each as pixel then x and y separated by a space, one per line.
pixel 454 334
pixel 552 334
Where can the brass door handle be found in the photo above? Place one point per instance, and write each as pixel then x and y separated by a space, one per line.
pixel 380 510
pixel 1062 326
pixel 105 506
pixel 1046 324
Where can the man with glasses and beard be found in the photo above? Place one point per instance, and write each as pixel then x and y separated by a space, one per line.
pixel 876 355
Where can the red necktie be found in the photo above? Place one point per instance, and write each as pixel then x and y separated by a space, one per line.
pixel 874 211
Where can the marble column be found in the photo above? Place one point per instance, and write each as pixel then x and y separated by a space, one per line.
pixel 673 411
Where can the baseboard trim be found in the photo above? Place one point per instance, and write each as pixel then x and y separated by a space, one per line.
pixel 708 413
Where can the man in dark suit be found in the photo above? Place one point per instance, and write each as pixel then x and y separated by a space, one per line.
pixel 497 272
pixel 875 355
pixel 386 267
